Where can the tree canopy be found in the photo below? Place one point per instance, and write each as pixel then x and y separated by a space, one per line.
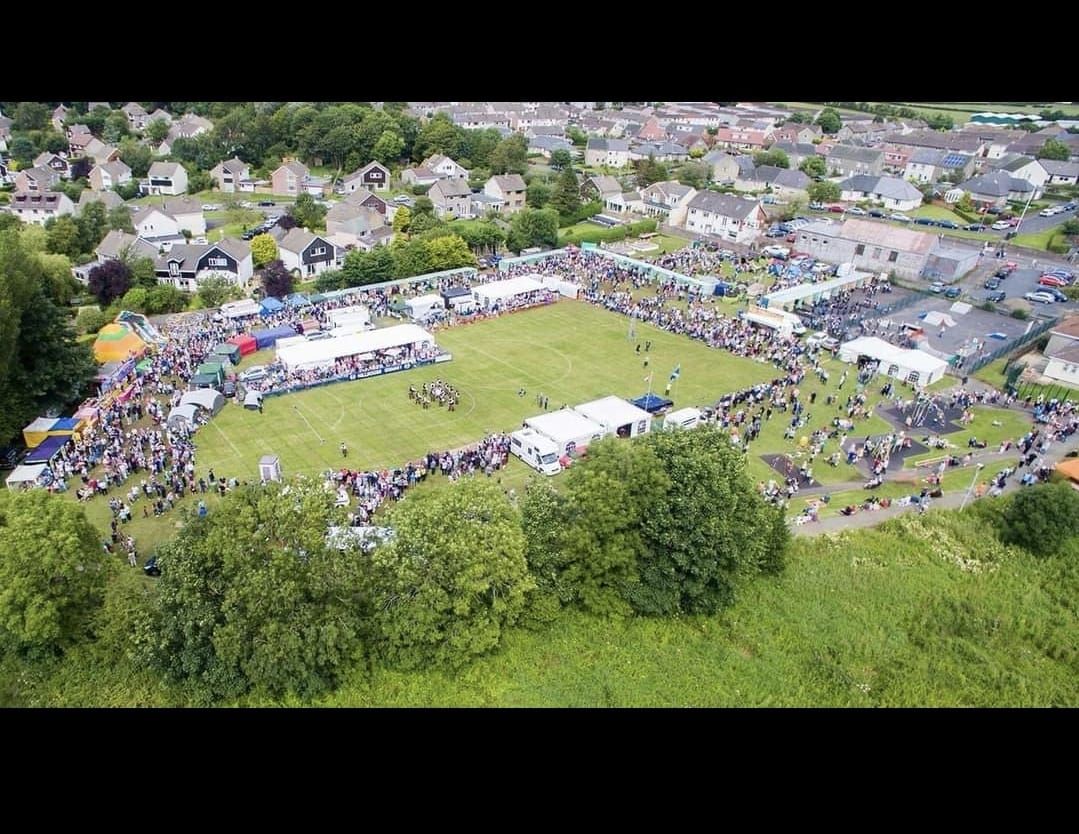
pixel 453 579
pixel 253 598
pixel 1042 518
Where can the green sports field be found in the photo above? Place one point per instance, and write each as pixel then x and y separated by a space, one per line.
pixel 570 351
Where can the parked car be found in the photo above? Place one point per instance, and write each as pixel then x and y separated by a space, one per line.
pixel 229 388
pixel 876 213
pixel 1070 206
pixel 925 221
pixel 254 373
pixel 947 224
pixel 936 287
pixel 975 227
pixel 1053 291
pixel 836 208
pixel 1052 281
pixel 1000 225
pixel 1060 273
pixel 859 212
pixel 816 205
pixel 211 207
pixel 1047 212
pixel 1040 297
pixel 992 283
pixel 402 198
pixel 775 231
pixel 266 203
pixel 996 296
pixel 902 218
pixel 953 292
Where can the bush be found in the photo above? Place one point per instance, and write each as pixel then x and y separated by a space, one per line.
pixel 90 320
pixel 1042 518
pixel 420 190
pixel 1021 314
pixel 601 235
pixel 1058 245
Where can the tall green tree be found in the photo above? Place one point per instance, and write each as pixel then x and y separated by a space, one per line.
pixel 607 499
pixel 650 171
pixel 567 195
pixel 1054 149
pixel 308 213
pixel 829 120
pixel 544 516
pixel 157 130
pixel 823 191
pixel 706 534
pixel 31 115
pixel 774 157
pixel 693 174
pixel 64 237
pixel 402 220
pixel 449 252
pixel 1041 518
pixel 533 227
pixel 443 593
pixel 814 166
pixel 510 156
pixel 52 574
pixel 561 158
pixel 388 148
pixel 93 225
pixel 119 218
pixel 438 135
pixel 253 598
pixel 216 290
pixel 538 194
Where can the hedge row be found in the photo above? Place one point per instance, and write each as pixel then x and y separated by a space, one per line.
pixel 601 235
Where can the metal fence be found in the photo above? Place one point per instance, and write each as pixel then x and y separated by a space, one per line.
pixel 1011 347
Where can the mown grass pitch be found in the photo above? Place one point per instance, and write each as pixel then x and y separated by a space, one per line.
pixel 570 351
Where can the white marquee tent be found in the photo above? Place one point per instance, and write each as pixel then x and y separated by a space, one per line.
pixel 208 398
pixel 343 316
pixel 560 285
pixel 240 309
pixel 422 306
pixel 27 473
pixel 617 416
pixel 325 352
pixel 568 429
pixel 908 365
pixel 488 295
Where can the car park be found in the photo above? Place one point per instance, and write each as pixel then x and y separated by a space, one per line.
pixel 1040 297
pixel 858 212
pixel 996 296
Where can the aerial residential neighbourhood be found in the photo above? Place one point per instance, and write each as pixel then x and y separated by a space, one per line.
pixel 575 404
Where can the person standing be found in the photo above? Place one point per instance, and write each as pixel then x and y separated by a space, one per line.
pixel 344 449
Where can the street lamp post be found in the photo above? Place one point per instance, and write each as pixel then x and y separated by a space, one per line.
pixel 970 489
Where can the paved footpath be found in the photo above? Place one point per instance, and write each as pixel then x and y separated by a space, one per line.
pixel 949 501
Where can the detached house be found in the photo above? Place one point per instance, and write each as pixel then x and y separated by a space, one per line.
pixel 307 253
pixel 997 188
pixel 351 220
pixel 36 180
pixel 110 199
pixel 600 187
pixel 167 178
pixel 289 178
pixel 1023 168
pixel 451 196
pixel 614 153
pixel 929 165
pixel 117 244
pixel 363 197
pixel 419 176
pixel 667 201
pixel 53 162
pixel 510 189
pixel 728 217
pixel 374 176
pixel 894 194
pixel 724 166
pixel 1061 173
pixel 444 167
pixel 228 175
pixel 108 176
pixel 185 266
pixel 156 227
pixel 188 215
pixel 39 206
pixel 137 117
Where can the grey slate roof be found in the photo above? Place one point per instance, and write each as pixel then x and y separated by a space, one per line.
pixel 723 204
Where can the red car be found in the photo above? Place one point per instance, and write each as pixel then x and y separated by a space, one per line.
pixel 1052 281
pixel 837 209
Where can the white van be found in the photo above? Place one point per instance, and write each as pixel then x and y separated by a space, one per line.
pixel 683 418
pixel 537 451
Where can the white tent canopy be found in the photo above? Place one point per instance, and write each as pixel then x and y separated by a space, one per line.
pixel 617 416
pixel 421 306
pixel 567 428
pixel 894 361
pixel 26 474
pixel 183 413
pixel 349 315
pixel 490 294
pixel 823 289
pixel 935 317
pixel 240 309
pixel 208 398
pixel 325 352
pixel 560 285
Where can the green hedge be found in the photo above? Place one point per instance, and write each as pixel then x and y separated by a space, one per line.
pixel 1058 245
pixel 601 235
